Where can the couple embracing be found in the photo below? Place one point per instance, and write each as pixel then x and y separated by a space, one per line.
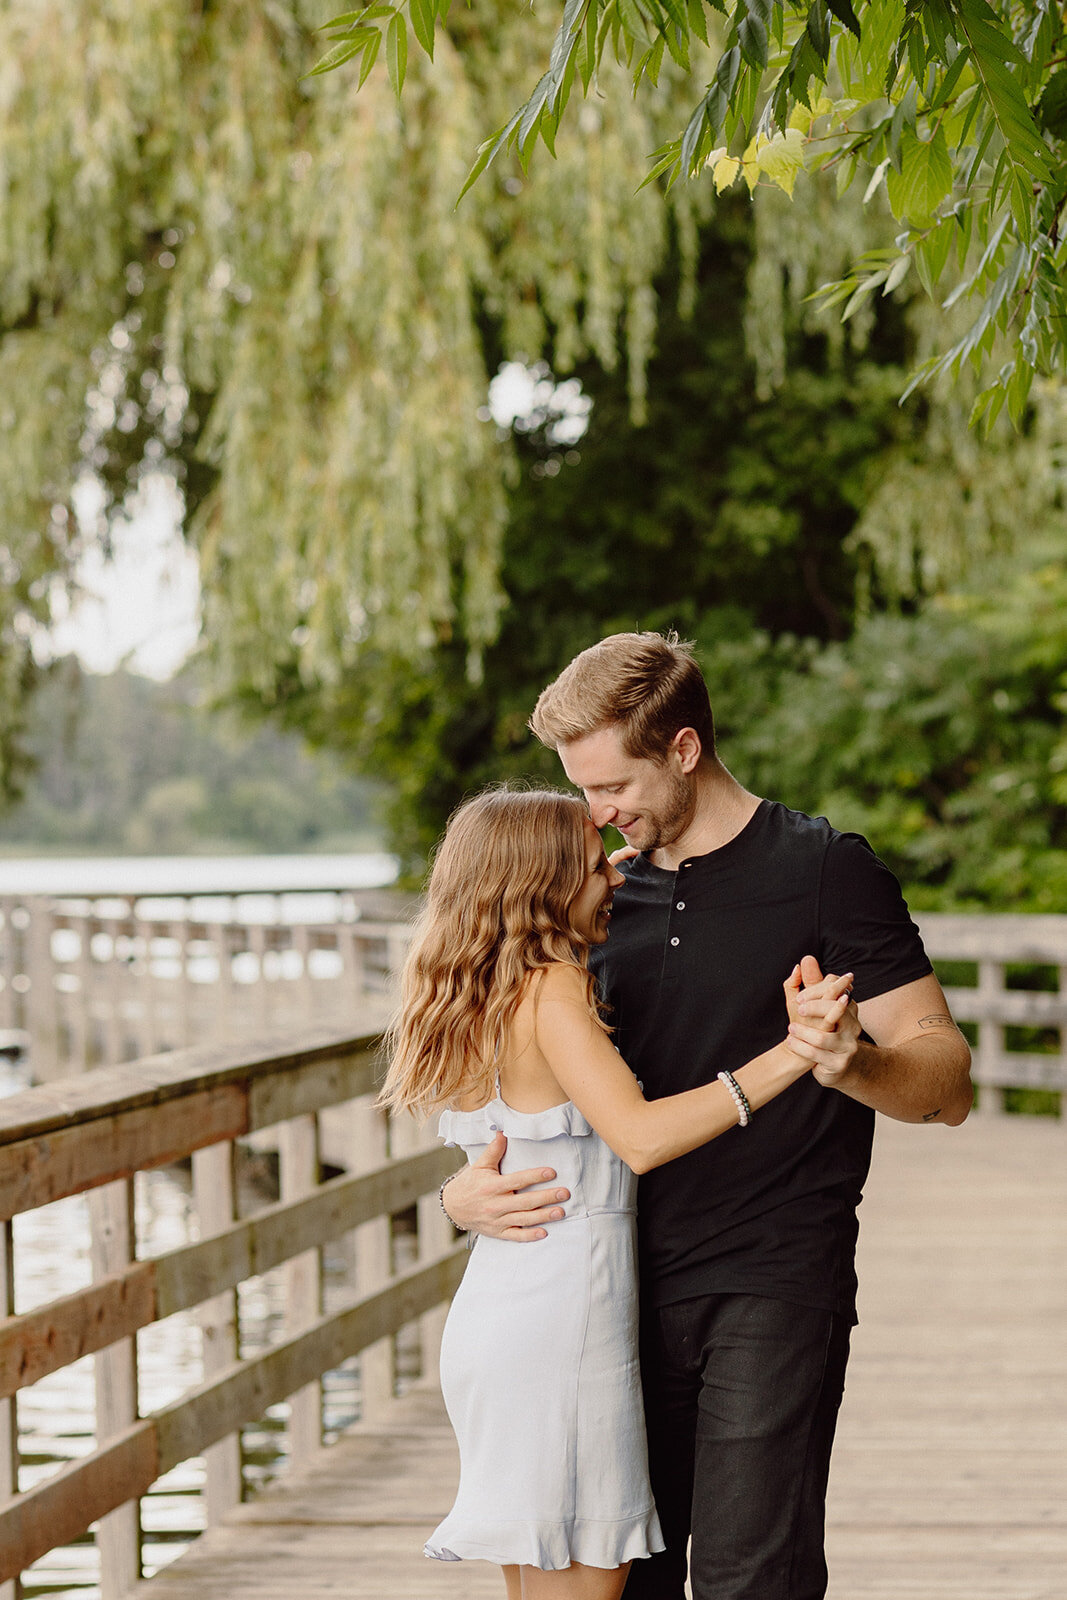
pixel 723 1016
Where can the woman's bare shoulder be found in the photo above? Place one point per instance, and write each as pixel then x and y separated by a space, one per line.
pixel 561 981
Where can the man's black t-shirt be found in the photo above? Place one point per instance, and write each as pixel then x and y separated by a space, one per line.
pixel 693 972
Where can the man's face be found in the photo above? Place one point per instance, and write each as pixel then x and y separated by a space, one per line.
pixel 650 802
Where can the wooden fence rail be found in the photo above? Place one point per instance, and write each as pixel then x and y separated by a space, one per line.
pixel 1005 997
pixel 93 1133
pixel 96 982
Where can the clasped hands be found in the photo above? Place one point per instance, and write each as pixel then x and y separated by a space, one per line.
pixel 823 1030
pixel 824 1027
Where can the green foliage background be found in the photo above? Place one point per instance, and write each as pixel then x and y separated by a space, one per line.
pixel 214 267
pixel 124 765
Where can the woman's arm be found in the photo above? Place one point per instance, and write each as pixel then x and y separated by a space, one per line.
pixel 646 1133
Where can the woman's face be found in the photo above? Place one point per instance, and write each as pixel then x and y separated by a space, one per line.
pixel 591 906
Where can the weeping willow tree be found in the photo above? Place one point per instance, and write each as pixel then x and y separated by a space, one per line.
pixel 215 266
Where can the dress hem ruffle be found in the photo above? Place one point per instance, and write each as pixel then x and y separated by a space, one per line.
pixel 551 1547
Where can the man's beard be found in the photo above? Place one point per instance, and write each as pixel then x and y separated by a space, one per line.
pixel 663 826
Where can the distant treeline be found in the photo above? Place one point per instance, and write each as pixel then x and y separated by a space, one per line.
pixel 125 764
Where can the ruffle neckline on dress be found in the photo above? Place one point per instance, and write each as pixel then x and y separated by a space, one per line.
pixel 478 1127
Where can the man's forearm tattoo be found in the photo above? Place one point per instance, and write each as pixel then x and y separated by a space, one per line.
pixel 937 1019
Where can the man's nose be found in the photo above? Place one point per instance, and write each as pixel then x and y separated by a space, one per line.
pixel 602 813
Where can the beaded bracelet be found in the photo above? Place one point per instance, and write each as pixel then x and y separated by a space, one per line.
pixel 441 1192
pixel 739 1098
pixel 471 1237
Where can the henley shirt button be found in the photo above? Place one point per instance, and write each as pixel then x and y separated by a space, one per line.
pixel 674 941
pixel 680 906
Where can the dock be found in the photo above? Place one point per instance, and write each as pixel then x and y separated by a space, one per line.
pixel 950 1473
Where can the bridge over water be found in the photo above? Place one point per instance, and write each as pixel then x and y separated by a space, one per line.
pixel 950 1477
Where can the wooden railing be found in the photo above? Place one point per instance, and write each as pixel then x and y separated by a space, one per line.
pixel 1007 997
pixel 91 983
pixel 96 984
pixel 94 1133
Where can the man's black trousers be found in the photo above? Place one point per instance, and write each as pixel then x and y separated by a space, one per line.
pixel 741 1399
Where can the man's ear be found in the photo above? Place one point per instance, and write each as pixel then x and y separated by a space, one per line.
pixel 687 743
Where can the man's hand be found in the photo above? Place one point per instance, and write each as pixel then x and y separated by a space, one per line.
pixel 481 1199
pixel 829 1038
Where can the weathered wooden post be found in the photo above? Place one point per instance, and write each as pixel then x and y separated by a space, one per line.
pixel 215 1198
pixel 990 1037
pixel 118 1535
pixel 373 1254
pixel 40 988
pixel 299 1175
pixel 9 1428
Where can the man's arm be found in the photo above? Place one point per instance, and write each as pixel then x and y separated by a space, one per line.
pixel 481 1199
pixel 918 1068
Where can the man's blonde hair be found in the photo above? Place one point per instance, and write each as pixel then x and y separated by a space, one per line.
pixel 648 685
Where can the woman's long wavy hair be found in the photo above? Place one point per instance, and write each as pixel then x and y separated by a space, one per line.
pixel 498 907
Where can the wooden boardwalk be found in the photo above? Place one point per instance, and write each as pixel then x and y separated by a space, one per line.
pixel 950 1476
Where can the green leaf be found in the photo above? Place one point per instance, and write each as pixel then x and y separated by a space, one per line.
pixel 917 56
pixel 666 160
pixel 1021 200
pixel 842 10
pixel 632 20
pixel 352 19
pixel 897 273
pixel 817 28
pixel 987 407
pixel 866 288
pixel 924 179
pixel 691 137
pixel 931 254
pixel 337 57
pixel 370 56
pixel 488 150
pixel 649 64
pixel 677 41
pixel 1018 386
pixel 1052 107
pixel 752 32
pixel 950 80
pixel 422 22
pixel 396 52
pixel 990 51
pixel 532 110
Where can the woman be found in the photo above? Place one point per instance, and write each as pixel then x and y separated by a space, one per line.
pixel 499 1024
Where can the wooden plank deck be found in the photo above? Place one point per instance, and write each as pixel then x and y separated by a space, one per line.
pixel 950 1476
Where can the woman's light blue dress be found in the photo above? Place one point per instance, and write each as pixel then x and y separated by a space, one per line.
pixel 539 1364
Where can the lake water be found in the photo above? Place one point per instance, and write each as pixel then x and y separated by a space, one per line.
pixel 185 875
pixel 56 1416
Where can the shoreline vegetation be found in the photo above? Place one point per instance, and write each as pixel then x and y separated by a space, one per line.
pixel 124 765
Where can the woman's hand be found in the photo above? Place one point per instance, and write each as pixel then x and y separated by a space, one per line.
pixel 625 852
pixel 805 1001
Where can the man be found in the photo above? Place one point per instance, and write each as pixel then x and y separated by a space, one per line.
pixel 747 1245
